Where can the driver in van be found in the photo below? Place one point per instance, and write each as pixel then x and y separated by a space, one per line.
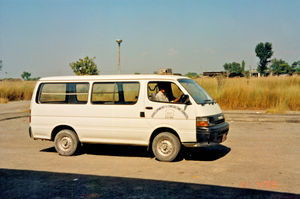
pixel 161 96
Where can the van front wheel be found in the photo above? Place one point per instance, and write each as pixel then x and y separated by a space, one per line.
pixel 166 146
pixel 66 142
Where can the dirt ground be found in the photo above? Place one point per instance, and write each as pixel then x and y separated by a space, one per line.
pixel 258 160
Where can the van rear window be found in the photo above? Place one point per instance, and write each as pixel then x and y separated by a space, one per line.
pixel 63 93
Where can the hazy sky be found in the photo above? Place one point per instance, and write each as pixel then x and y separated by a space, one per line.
pixel 44 36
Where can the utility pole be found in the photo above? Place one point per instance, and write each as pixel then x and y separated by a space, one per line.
pixel 119 41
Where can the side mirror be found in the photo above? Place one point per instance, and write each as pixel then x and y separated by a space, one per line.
pixel 186 100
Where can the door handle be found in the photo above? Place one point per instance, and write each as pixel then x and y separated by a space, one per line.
pixel 149 107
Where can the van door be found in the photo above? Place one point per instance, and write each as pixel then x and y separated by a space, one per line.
pixel 164 108
pixel 121 100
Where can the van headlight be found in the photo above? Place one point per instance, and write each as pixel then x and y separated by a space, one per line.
pixel 221 116
pixel 202 122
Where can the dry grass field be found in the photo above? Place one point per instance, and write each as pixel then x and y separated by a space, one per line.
pixel 16 90
pixel 273 94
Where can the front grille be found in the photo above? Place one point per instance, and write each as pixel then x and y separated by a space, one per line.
pixel 216 119
pixel 219 121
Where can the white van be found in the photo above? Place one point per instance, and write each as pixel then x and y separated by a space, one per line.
pixel 163 112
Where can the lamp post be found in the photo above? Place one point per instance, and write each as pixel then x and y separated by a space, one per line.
pixel 119 41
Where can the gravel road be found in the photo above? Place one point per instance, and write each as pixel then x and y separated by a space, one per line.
pixel 259 160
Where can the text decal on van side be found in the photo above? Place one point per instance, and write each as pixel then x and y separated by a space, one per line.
pixel 170 106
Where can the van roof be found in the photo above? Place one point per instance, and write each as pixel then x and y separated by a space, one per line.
pixel 113 77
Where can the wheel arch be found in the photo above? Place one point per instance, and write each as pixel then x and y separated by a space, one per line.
pixel 59 128
pixel 160 130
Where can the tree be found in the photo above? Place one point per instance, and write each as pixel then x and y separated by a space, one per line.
pixel 233 67
pixel 26 75
pixel 191 75
pixel 296 66
pixel 264 53
pixel 281 67
pixel 0 65
pixel 85 66
pixel 243 65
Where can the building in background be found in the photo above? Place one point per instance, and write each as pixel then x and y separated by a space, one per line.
pixel 214 74
pixel 165 71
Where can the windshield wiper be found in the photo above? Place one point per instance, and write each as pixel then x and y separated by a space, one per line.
pixel 208 101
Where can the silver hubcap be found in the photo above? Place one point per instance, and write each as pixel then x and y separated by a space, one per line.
pixel 165 147
pixel 65 143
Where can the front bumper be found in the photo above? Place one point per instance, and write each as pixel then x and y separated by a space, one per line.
pixel 210 135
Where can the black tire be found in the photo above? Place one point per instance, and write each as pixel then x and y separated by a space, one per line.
pixel 66 142
pixel 166 147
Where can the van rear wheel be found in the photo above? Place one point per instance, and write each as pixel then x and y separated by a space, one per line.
pixel 166 146
pixel 66 142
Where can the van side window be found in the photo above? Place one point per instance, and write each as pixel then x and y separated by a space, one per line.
pixel 105 93
pixel 131 92
pixel 115 92
pixel 164 92
pixel 63 93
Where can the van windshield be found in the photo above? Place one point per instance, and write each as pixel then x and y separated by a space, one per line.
pixel 196 91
